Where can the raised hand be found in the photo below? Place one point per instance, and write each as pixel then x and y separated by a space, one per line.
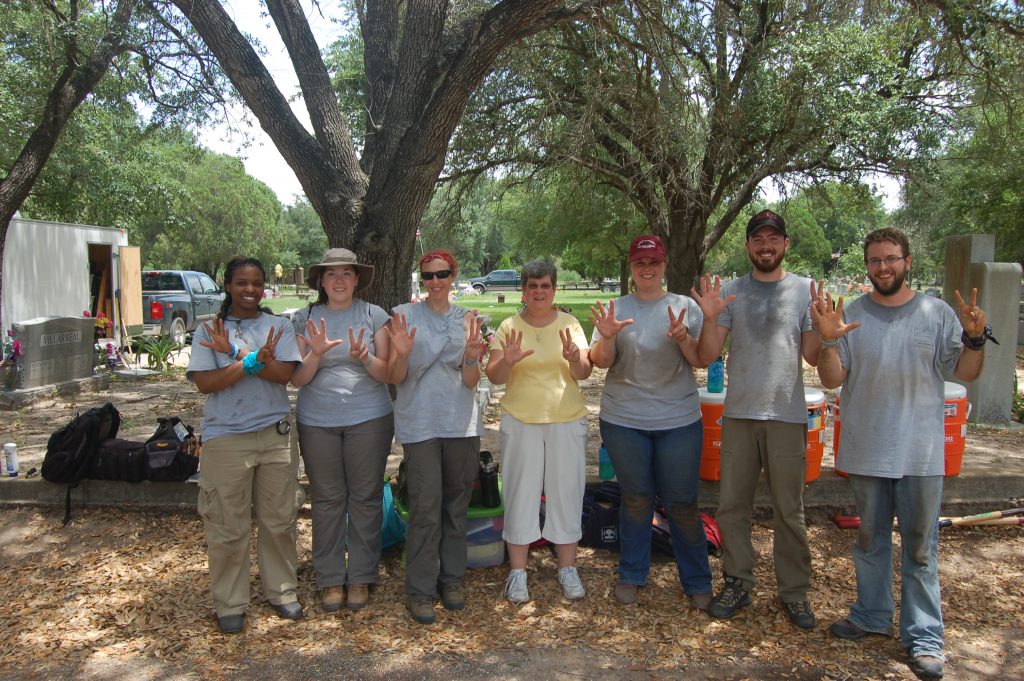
pixel 709 298
pixel 677 330
pixel 972 317
pixel 512 348
pixel 826 317
pixel 316 340
pixel 474 339
pixel 570 351
pixel 604 320
pixel 219 341
pixel 265 354
pixel 402 338
pixel 356 348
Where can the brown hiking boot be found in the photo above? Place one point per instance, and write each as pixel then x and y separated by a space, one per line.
pixel 452 596
pixel 421 609
pixel 331 598
pixel 358 596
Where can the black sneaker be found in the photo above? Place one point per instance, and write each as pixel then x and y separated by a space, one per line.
pixel 800 614
pixel 729 600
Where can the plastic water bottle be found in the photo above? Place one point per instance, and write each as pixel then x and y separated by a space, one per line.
pixel 716 376
pixel 11 460
pixel 605 469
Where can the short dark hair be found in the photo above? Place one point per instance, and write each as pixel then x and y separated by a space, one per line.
pixel 890 234
pixel 538 269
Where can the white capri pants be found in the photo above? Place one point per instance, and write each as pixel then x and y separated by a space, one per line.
pixel 548 459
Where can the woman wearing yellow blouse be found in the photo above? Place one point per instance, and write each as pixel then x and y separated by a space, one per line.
pixel 543 429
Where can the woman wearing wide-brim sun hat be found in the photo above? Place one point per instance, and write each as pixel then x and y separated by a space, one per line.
pixel 345 425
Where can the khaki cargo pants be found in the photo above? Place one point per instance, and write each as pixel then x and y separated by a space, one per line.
pixel 239 473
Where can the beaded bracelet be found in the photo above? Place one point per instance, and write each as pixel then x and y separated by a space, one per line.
pixel 828 343
pixel 251 365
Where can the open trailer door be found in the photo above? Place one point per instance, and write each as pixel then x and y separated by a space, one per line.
pixel 129 292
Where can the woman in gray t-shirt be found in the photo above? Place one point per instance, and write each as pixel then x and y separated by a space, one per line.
pixel 435 357
pixel 650 421
pixel 345 425
pixel 242 363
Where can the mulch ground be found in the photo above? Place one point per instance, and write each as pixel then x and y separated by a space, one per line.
pixel 128 592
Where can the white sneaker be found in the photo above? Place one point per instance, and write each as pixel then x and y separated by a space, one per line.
pixel 515 587
pixel 572 587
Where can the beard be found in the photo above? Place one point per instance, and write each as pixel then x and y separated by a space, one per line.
pixel 894 286
pixel 770 265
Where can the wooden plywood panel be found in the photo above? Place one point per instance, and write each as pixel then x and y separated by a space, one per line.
pixel 130 272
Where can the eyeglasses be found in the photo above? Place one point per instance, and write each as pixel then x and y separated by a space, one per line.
pixel 875 263
pixel 443 274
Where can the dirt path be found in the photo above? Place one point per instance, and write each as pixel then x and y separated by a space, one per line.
pixel 117 595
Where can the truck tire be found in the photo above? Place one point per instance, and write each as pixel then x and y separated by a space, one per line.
pixel 606 288
pixel 178 332
pixel 479 288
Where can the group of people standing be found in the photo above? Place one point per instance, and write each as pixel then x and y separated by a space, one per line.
pixel 888 349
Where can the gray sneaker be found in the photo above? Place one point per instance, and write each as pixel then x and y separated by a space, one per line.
pixel 515 587
pixel 572 587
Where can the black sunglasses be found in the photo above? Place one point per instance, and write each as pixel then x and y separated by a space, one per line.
pixel 443 274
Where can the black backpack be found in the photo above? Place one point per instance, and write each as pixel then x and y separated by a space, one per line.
pixel 121 460
pixel 70 451
pixel 171 452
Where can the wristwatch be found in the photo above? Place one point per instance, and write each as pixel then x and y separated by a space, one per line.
pixel 979 342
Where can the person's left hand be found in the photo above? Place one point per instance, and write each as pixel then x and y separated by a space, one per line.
pixel 356 348
pixel 972 317
pixel 570 351
pixel 677 330
pixel 474 339
pixel 265 355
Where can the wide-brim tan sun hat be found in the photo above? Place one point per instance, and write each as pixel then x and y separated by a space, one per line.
pixel 340 256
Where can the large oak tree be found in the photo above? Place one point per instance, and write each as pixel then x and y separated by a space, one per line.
pixel 422 61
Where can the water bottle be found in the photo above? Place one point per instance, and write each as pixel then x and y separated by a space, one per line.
pixel 716 376
pixel 11 459
pixel 605 469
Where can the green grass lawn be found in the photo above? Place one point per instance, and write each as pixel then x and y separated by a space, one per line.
pixel 578 302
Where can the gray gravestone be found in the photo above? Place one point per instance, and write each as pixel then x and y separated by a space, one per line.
pixel 54 349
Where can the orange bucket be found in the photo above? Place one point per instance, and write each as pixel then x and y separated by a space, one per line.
pixel 712 405
pixel 816 412
pixel 956 409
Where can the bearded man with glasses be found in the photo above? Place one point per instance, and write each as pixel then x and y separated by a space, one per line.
pixel 893 447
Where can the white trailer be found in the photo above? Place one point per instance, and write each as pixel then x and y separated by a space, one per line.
pixel 55 269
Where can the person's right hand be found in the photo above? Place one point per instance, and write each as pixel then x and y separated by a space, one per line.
pixel 402 337
pixel 828 322
pixel 512 348
pixel 604 320
pixel 316 339
pixel 709 298
pixel 219 341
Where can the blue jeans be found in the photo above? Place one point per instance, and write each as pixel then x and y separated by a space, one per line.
pixel 915 502
pixel 659 465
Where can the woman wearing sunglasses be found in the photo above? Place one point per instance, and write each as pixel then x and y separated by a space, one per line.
pixel 345 425
pixel 242 363
pixel 434 362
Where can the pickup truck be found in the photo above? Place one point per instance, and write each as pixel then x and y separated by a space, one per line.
pixel 496 280
pixel 176 302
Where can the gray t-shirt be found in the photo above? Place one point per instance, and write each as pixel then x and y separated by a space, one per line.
pixel 893 396
pixel 251 404
pixel 765 365
pixel 650 384
pixel 432 401
pixel 342 393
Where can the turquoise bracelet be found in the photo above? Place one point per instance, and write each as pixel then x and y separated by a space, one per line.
pixel 251 365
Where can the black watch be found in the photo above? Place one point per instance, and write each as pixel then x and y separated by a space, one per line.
pixel 979 342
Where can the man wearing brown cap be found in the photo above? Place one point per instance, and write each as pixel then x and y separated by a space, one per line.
pixel 764 426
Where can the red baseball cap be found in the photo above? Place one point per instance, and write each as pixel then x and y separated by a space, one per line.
pixel 647 246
